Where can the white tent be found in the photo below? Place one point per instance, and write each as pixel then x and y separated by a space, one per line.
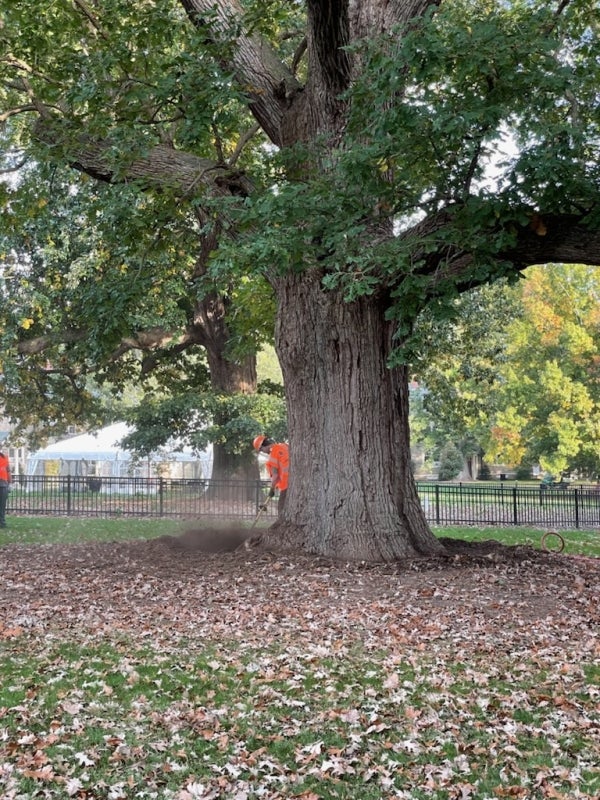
pixel 102 454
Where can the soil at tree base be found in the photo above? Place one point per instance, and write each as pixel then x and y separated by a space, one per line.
pixel 229 539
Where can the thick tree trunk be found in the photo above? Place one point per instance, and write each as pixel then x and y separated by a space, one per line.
pixel 352 494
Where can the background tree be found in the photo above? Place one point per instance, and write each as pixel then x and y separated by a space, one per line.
pixel 514 372
pixel 97 299
pixel 451 462
pixel 549 384
pixel 456 361
pixel 379 142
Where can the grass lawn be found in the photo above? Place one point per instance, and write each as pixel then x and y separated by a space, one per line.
pixel 67 530
pixel 47 530
pixel 577 542
pixel 337 691
pixel 112 721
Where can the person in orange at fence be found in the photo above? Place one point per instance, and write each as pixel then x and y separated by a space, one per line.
pixel 4 487
pixel 278 466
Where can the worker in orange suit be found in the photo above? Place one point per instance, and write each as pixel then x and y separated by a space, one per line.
pixel 278 466
pixel 5 478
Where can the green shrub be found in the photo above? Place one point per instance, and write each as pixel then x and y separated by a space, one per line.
pixel 524 473
pixel 451 462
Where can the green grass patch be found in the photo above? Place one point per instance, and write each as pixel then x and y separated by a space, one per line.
pixel 52 530
pixel 65 530
pixel 117 722
pixel 577 542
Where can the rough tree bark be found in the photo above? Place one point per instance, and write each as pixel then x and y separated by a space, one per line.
pixel 352 494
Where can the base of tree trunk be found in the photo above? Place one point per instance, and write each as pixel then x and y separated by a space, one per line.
pixel 285 537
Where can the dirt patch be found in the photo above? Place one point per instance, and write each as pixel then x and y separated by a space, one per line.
pixel 221 539
pixel 208 540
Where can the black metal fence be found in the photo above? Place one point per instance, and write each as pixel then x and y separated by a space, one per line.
pixel 564 506
pixel 138 497
pixel 444 503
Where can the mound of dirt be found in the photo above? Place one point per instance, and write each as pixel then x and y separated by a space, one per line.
pixel 488 549
pixel 221 539
pixel 208 540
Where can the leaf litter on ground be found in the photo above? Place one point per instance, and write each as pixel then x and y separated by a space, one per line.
pixel 156 669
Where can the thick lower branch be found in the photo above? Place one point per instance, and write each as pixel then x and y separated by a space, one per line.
pixel 546 239
pixel 160 167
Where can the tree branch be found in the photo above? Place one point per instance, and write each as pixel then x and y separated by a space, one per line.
pixel 162 166
pixel 260 73
pixel 32 347
pixel 328 35
pixel 243 141
pixel 89 15
pixel 555 238
pixel 13 112
pixel 547 239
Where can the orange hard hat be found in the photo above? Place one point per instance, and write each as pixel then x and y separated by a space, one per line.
pixel 257 443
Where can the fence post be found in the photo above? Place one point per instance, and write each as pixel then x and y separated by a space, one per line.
pixel 161 487
pixel 437 504
pixel 68 494
pixel 515 507
pixel 576 492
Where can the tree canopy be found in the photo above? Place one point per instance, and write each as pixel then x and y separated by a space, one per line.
pixel 549 398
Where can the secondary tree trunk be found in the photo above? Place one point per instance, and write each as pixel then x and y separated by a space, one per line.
pixel 230 378
pixel 227 377
pixel 352 494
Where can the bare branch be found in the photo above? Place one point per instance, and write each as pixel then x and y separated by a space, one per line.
pixel 31 347
pixel 561 7
pixel 243 141
pixel 13 112
pixel 145 341
pixel 300 50
pixel 267 82
pixel 89 15
pixel 161 166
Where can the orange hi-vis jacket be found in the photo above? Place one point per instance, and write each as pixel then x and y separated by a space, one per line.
pixel 279 459
pixel 4 469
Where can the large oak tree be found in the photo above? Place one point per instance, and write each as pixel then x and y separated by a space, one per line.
pixel 369 203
